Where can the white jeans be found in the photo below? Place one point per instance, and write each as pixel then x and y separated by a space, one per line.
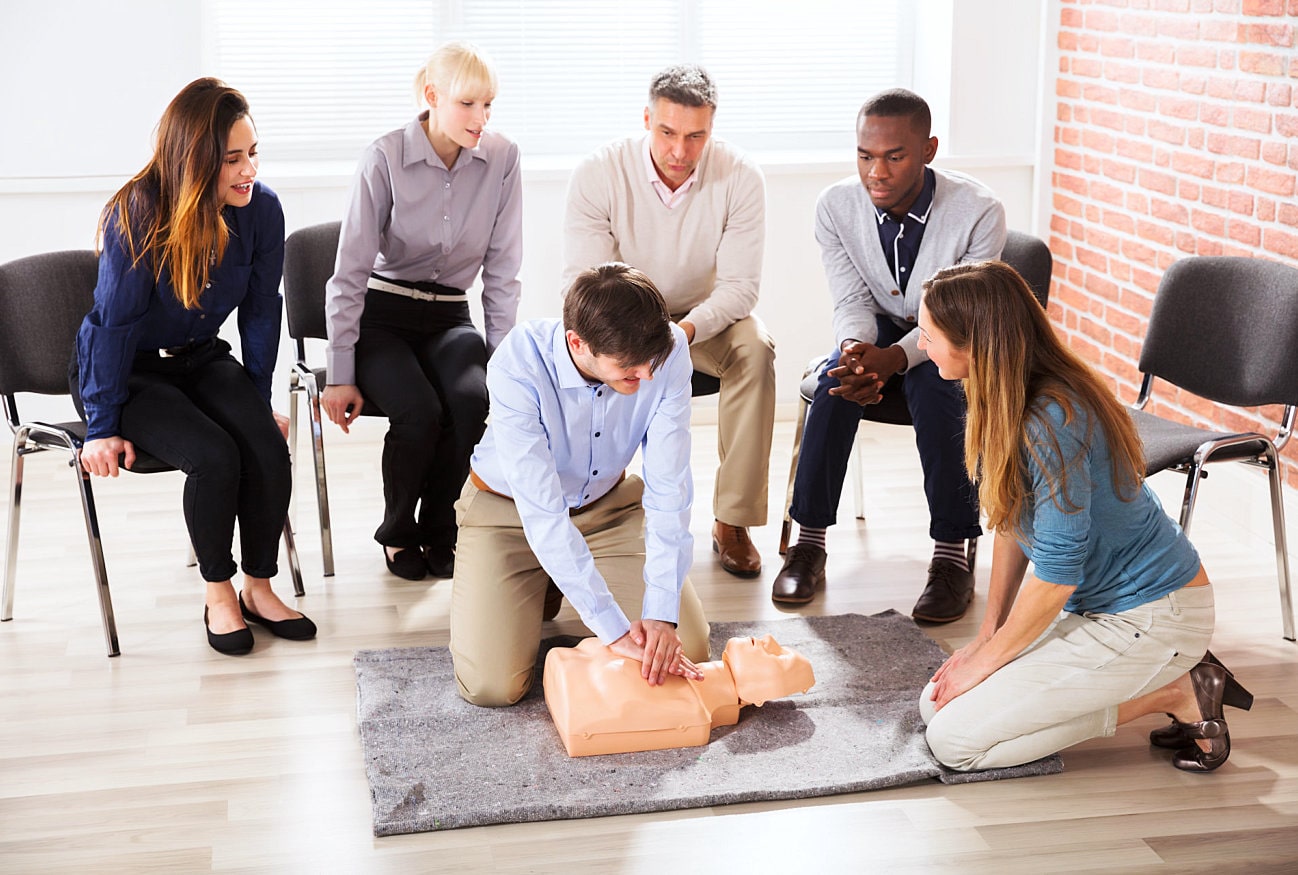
pixel 1066 687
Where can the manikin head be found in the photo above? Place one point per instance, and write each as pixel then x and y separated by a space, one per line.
pixel 764 670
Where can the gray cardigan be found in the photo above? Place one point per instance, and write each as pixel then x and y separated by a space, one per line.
pixel 966 223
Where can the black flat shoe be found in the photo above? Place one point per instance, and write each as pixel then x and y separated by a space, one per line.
pixel 235 643
pixel 296 629
pixel 408 563
pixel 440 561
pixel 1173 737
pixel 1209 681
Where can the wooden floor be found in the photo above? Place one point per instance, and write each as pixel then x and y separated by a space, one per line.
pixel 171 758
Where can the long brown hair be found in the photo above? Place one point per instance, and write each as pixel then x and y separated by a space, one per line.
pixel 1017 366
pixel 170 212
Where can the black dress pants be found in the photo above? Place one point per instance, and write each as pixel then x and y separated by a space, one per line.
pixel 201 413
pixel 425 365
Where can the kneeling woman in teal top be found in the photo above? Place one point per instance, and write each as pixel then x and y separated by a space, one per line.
pixel 1114 621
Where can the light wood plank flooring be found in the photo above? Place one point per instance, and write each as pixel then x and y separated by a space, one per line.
pixel 172 758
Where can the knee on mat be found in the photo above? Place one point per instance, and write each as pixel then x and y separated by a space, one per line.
pixel 497 692
pixel 952 748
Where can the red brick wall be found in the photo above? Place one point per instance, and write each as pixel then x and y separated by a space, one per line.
pixel 1176 134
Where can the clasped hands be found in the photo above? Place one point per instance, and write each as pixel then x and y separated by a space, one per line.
pixel 658 649
pixel 863 369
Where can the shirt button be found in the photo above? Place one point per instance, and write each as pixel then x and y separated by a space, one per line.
pixel 594 473
pixel 895 292
pixel 910 318
pixel 446 218
pixel 203 316
pixel 902 269
pixel 448 185
pixel 599 394
pixel 208 286
pixel 585 497
pixel 596 434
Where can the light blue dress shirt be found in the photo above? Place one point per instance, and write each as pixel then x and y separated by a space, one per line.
pixel 557 442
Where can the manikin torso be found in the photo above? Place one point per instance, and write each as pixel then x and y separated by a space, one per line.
pixel 600 703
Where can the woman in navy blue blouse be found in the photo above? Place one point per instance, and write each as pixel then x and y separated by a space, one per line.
pixel 190 239
pixel 1113 621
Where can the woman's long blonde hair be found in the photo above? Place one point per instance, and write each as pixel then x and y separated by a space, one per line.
pixel 170 212
pixel 1017 365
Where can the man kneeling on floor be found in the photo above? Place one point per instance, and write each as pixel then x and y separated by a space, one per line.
pixel 548 502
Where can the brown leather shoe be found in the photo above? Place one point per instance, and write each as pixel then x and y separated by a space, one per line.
pixel 803 573
pixel 738 555
pixel 948 594
pixel 553 601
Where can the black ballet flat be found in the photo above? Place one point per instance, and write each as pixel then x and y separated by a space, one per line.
pixel 408 563
pixel 235 643
pixel 1172 737
pixel 1209 680
pixel 296 629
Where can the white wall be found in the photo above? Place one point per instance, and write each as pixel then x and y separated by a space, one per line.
pixel 86 82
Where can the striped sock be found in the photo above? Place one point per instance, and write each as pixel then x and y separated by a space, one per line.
pixel 811 537
pixel 952 551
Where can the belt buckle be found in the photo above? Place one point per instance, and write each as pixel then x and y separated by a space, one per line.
pixel 166 354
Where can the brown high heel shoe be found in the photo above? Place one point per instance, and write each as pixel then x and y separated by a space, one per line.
pixel 1209 682
pixel 1173 737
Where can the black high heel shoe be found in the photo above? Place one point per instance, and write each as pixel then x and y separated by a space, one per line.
pixel 1172 735
pixel 1209 682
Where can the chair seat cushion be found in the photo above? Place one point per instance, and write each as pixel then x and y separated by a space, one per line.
pixel 144 463
pixel 1169 444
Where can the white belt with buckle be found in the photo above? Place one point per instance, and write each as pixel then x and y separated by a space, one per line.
pixel 379 285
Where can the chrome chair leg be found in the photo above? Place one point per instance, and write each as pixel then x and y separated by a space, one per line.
pixel 294 566
pixel 15 508
pixel 1281 541
pixel 97 556
pixel 293 389
pixel 321 483
pixel 858 475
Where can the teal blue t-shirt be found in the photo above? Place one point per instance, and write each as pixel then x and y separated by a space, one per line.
pixel 1119 554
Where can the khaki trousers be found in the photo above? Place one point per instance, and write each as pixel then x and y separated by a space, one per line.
pixel 743 357
pixel 499 588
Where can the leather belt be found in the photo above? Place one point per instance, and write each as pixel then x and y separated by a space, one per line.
pixel 174 351
pixel 413 290
pixel 482 486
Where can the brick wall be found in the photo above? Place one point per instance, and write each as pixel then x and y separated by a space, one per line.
pixel 1176 134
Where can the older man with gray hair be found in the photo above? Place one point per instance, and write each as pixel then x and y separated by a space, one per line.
pixel 689 210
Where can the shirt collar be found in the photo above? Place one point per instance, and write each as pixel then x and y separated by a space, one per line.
pixel 665 194
pixel 923 204
pixel 564 367
pixel 415 146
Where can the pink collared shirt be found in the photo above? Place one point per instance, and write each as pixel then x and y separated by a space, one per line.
pixel 669 198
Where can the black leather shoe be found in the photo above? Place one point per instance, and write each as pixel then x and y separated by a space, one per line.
pixel 1173 737
pixel 1209 683
pixel 408 563
pixel 803 573
pixel 440 561
pixel 948 594
pixel 235 643
pixel 296 629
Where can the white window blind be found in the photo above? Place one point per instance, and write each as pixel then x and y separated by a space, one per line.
pixel 325 77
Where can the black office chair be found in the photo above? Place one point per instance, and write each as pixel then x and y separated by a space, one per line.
pixel 43 299
pixel 1224 329
pixel 1025 253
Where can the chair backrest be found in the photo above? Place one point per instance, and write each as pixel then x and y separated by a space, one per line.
pixel 1030 256
pixel 1226 328
pixel 43 299
pixel 309 256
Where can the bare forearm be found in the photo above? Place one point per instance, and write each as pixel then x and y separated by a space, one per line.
pixel 1034 609
pixel 1009 564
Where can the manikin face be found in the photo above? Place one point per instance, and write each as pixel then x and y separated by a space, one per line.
pixel 240 166
pixel 952 363
pixel 677 136
pixel 764 670
pixel 460 119
pixel 890 157
pixel 622 379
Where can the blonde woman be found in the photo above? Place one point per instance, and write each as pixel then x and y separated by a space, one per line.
pixel 433 205
pixel 1114 621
